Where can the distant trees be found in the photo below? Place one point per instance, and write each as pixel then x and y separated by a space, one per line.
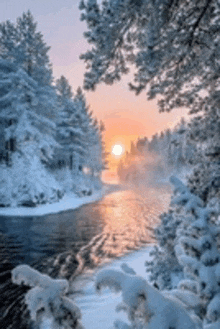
pixel 164 153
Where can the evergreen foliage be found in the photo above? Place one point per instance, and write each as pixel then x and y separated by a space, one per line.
pixel 193 245
pixel 174 49
pixel 25 47
pixel 171 151
pixel 34 134
pixel 166 41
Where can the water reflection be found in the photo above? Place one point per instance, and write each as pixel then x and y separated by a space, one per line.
pixel 64 245
pixel 108 228
pixel 126 219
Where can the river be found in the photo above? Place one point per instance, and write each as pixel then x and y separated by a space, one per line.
pixel 68 243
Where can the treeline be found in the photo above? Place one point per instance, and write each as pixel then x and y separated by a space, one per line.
pixel 164 153
pixel 50 141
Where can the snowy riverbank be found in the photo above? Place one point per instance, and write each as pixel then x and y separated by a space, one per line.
pixel 68 202
pixel 99 310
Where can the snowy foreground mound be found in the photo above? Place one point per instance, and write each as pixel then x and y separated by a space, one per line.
pixel 146 307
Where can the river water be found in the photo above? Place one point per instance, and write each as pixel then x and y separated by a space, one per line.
pixel 67 244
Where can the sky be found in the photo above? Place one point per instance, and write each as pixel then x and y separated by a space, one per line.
pixel 125 115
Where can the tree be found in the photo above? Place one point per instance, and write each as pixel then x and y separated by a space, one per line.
pixel 21 102
pixel 79 134
pixel 68 132
pixel 167 41
pixel 205 178
pixel 96 155
pixel 28 81
pixel 188 258
pixel 25 47
pixel 28 103
pixel 174 47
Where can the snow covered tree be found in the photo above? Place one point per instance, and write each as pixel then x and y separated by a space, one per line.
pixel 27 138
pixel 90 146
pixel 79 135
pixel 96 158
pixel 174 47
pixel 205 178
pixel 69 133
pixel 167 41
pixel 192 232
pixel 28 103
pixel 145 306
pixel 22 100
pixel 25 47
pixel 164 267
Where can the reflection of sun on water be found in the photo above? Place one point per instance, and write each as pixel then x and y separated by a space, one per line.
pixel 127 216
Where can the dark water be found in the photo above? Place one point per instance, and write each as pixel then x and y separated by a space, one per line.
pixel 66 244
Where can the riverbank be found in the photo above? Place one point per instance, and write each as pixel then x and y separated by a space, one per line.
pixel 68 202
pixel 99 309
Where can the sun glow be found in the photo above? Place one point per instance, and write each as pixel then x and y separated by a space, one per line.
pixel 117 149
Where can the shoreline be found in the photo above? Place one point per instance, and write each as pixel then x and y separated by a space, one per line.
pixel 100 310
pixel 68 202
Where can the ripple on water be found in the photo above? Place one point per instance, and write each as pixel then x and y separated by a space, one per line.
pixel 66 244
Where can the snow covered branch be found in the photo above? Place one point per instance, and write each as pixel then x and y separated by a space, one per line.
pixel 146 307
pixel 46 300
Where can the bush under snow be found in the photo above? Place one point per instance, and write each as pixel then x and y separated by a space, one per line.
pixel 194 247
pixel 27 183
pixel 146 306
pixel 46 300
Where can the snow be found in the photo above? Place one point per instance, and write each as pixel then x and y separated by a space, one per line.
pixel 100 311
pixel 68 202
pixel 46 299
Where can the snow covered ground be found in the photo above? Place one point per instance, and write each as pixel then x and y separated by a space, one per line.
pixel 68 202
pixel 98 309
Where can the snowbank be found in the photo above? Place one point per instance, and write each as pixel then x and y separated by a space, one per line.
pixel 68 202
pixel 100 311
pixel 102 307
pixel 46 300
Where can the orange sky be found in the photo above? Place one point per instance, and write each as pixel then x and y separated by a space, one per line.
pixel 125 115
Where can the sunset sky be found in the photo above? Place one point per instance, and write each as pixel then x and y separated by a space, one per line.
pixel 125 115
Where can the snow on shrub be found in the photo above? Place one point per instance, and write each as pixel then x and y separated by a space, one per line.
pixel 46 300
pixel 164 268
pixel 195 245
pixel 146 306
pixel 27 183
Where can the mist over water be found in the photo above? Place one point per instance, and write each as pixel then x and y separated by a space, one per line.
pixel 145 171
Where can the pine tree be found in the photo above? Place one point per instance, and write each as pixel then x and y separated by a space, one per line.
pixel 67 129
pixel 192 233
pixel 168 42
pixel 25 47
pixel 174 48
pixel 79 134
pixel 27 109
pixel 22 100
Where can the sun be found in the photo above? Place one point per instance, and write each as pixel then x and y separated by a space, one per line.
pixel 117 149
